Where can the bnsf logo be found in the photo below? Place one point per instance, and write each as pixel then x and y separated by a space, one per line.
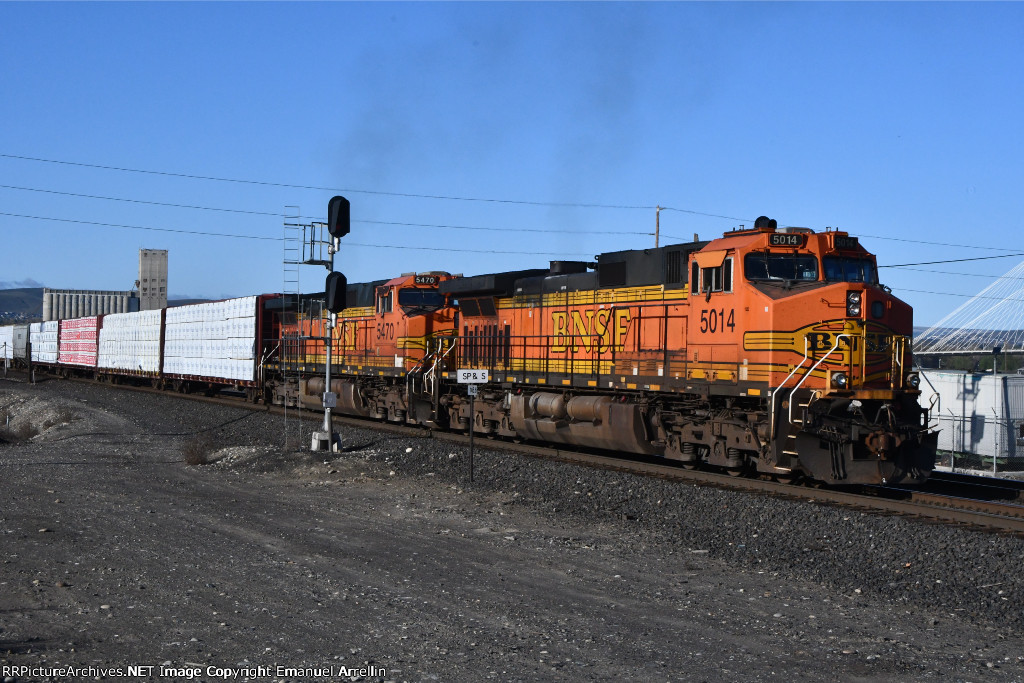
pixel 873 342
pixel 605 329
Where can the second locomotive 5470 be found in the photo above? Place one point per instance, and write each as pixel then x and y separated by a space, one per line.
pixel 771 349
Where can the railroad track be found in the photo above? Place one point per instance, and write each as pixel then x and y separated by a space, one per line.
pixel 981 502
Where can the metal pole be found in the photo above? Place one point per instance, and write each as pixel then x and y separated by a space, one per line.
pixel 332 322
pixel 657 224
pixel 995 452
pixel 472 413
pixel 327 379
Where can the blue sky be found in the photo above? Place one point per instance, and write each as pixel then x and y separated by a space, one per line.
pixel 892 121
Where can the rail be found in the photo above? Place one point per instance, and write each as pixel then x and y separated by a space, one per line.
pixel 1004 515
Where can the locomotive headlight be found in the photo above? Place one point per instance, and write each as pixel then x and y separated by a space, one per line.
pixel 839 380
pixel 853 304
pixel 914 380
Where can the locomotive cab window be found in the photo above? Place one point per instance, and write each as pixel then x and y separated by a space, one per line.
pixel 765 265
pixel 384 301
pixel 843 269
pixel 420 301
pixel 711 278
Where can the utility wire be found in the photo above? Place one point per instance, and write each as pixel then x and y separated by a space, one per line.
pixel 468 251
pixel 279 239
pixel 402 194
pixel 585 205
pixel 701 213
pixel 399 223
pixel 283 214
pixel 507 230
pixel 966 296
pixel 958 260
pixel 141 227
pixel 949 272
pixel 934 244
pixel 436 225
pixel 326 189
pixel 140 201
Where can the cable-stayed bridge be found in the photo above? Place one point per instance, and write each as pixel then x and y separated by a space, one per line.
pixel 991 321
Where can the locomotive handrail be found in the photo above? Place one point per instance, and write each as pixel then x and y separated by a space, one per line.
pixel 798 384
pixel 430 376
pixel 898 347
pixel 775 393
pixel 812 369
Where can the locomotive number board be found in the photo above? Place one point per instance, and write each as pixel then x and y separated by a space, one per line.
pixel 425 280
pixel 845 242
pixel 781 239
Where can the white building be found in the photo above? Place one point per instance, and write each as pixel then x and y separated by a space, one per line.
pixel 979 413
pixel 152 283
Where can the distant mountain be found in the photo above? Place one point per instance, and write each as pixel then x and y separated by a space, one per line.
pixel 20 305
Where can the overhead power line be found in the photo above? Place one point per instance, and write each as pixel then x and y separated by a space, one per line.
pixel 279 239
pixel 934 244
pixel 281 214
pixel 701 213
pixel 349 190
pixel 140 227
pixel 411 195
pixel 439 225
pixel 956 260
pixel 966 296
pixel 408 195
pixel 950 272
pixel 139 201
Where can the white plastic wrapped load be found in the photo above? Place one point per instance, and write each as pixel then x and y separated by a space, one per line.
pixel 130 342
pixel 7 342
pixel 215 340
pixel 79 339
pixel 43 337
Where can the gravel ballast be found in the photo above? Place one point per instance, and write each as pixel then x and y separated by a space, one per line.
pixel 118 553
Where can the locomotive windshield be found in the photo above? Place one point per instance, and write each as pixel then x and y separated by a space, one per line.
pixel 765 265
pixel 844 269
pixel 420 301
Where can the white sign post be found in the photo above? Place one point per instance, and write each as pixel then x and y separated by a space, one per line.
pixel 472 378
pixel 469 376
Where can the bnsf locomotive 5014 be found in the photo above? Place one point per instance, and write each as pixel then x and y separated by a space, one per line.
pixel 771 350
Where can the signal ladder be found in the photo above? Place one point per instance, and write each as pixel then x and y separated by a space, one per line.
pixel 291 343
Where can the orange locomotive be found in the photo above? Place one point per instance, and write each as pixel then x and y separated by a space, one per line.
pixel 769 349
pixel 387 347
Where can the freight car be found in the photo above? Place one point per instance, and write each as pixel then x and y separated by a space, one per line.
pixel 772 350
pixel 200 347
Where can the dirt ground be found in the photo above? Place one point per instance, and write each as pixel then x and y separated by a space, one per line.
pixel 273 566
